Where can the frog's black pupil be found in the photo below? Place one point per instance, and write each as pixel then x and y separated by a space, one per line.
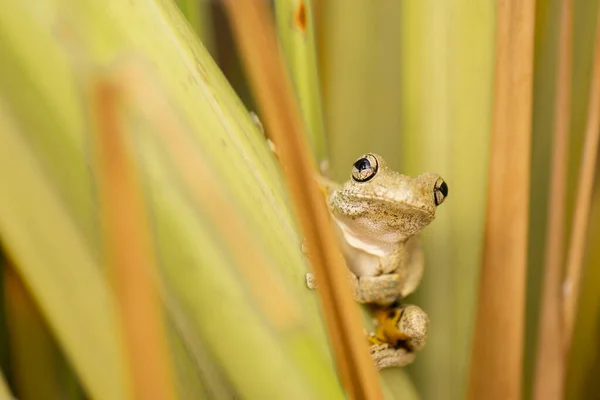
pixel 444 189
pixel 362 164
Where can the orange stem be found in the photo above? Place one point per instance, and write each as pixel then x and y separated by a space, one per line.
pixel 128 247
pixel 550 362
pixel 572 283
pixel 255 34
pixel 497 353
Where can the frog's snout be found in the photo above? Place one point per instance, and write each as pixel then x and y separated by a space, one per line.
pixel 440 191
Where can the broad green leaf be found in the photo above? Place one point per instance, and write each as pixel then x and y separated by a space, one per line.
pixel 240 318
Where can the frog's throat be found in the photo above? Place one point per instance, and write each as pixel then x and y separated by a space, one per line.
pixel 369 240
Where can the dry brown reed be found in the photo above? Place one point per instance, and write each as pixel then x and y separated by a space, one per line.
pixel 255 34
pixel 496 361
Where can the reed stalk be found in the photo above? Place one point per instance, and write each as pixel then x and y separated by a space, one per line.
pixel 550 360
pixel 496 362
pixel 256 38
pixel 575 256
pixel 128 248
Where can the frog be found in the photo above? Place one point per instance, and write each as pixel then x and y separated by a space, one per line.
pixel 401 332
pixel 377 216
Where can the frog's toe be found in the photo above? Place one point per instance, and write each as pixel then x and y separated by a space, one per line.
pixel 386 356
pixel 373 339
pixel 311 282
pixel 413 324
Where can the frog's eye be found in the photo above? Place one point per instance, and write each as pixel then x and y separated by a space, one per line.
pixel 365 168
pixel 440 191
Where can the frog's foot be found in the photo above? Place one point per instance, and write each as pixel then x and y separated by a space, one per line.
pixel 373 339
pixel 382 289
pixel 386 356
pixel 401 332
pixel 311 282
pixel 403 326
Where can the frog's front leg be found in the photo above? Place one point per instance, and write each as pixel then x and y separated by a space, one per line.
pixel 401 332
pixel 386 287
pixel 382 290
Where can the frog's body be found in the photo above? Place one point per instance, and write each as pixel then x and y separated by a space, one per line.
pixel 378 214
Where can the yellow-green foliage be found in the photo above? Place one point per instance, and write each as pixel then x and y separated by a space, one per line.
pixel 413 82
pixel 410 80
pixel 225 343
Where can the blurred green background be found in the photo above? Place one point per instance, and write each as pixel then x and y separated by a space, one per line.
pixel 412 81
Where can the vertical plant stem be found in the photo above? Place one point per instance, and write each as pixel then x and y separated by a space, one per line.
pixel 572 282
pixel 426 45
pixel 129 251
pixel 471 28
pixel 295 24
pixel 550 361
pixel 496 362
pixel 360 66
pixel 583 362
pixel 255 35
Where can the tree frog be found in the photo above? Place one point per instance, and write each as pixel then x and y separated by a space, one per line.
pixel 377 214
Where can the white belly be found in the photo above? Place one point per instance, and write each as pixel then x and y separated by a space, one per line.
pixel 362 263
pixel 363 251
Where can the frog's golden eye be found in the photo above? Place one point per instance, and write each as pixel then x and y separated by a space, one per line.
pixel 440 191
pixel 365 168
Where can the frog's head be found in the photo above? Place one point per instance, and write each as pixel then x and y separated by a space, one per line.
pixel 387 196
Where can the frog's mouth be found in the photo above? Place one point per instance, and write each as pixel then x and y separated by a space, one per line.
pixel 400 198
pixel 394 206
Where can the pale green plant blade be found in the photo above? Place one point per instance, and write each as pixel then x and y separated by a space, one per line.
pixel 60 268
pixel 447 53
pixel 199 15
pixel 196 190
pixel 219 317
pixel 295 23
pixel 360 64
pixel 360 67
pixel 469 78
pixel 425 144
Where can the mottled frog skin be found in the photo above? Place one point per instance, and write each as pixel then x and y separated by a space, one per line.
pixel 377 215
